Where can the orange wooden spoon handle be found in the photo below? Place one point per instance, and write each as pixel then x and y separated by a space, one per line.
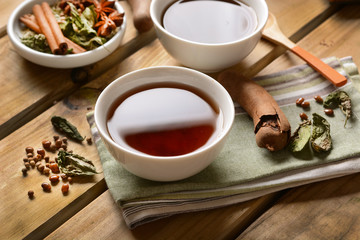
pixel 328 72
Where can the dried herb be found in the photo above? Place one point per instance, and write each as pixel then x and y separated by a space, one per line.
pixel 320 137
pixel 339 99
pixel 301 136
pixel 63 125
pixel 75 165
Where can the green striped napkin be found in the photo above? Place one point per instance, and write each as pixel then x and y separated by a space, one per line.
pixel 243 171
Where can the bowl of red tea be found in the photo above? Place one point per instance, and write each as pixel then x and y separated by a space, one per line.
pixel 209 35
pixel 164 123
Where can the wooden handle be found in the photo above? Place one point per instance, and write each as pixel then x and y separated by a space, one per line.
pixel 141 14
pixel 328 72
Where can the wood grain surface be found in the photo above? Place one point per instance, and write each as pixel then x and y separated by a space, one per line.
pixel 29 99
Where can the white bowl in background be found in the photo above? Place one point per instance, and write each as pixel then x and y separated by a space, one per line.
pixel 208 57
pixel 14 28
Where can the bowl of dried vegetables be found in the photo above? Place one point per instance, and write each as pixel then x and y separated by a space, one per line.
pixel 66 33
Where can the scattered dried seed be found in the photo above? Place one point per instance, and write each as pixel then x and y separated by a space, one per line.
pixel 305 104
pixel 41 167
pixel 70 180
pixel 27 165
pixel 46 171
pixel 64 140
pixel 65 188
pixel 89 140
pixel 303 116
pixel 329 111
pixel 56 137
pixel 54 178
pixel 299 101
pixel 46 144
pixel 54 167
pixel 24 171
pixel 64 146
pixel 52 148
pixel 58 143
pixel 29 155
pixel 29 150
pixel 63 176
pixel 41 152
pixel 46 186
pixel 32 163
pixel 318 99
pixel 47 158
pixel 25 160
pixel 31 194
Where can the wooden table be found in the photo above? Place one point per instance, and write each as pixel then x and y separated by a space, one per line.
pixel 31 94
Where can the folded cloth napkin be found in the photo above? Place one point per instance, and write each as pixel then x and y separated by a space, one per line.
pixel 244 171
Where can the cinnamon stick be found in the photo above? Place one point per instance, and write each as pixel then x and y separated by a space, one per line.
pixel 75 47
pixel 46 29
pixel 271 127
pixel 30 21
pixel 59 37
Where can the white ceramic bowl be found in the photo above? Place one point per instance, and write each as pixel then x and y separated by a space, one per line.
pixel 208 57
pixel 164 168
pixel 14 28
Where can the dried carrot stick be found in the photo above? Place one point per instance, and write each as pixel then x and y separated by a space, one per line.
pixel 272 129
pixel 45 29
pixel 59 37
pixel 30 21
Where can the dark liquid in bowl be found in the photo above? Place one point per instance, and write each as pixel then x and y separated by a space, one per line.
pixel 164 120
pixel 210 21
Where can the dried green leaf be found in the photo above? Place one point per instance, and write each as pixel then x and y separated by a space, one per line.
pixel 301 136
pixel 63 125
pixel 339 99
pixel 320 137
pixel 75 165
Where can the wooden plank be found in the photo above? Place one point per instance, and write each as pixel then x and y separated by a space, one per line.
pixel 103 217
pixel 326 210
pixel 329 209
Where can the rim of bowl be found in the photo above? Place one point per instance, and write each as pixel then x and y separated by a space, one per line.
pixel 223 133
pixel 16 39
pixel 257 30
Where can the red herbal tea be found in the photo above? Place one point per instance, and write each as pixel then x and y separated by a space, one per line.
pixel 164 119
